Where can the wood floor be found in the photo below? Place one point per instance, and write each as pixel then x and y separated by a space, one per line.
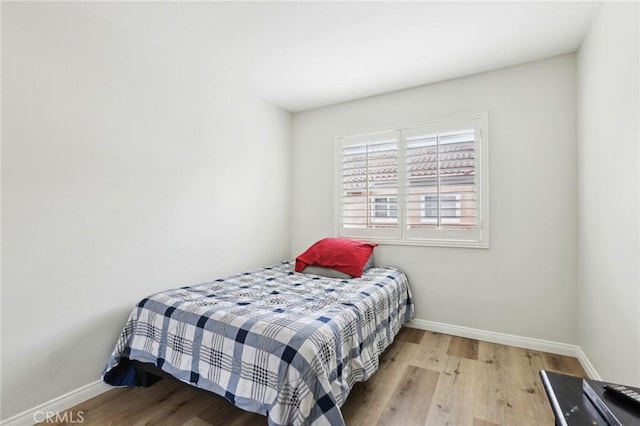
pixel 424 378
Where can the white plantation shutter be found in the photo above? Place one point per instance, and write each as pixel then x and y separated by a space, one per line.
pixel 423 184
pixel 369 185
pixel 441 184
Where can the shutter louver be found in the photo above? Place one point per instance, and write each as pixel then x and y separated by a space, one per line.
pixel 369 182
pixel 440 180
pixel 418 185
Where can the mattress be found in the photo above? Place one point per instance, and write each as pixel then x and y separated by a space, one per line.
pixel 272 341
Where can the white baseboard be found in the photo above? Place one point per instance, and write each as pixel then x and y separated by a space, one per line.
pixel 511 340
pixel 57 405
pixel 588 367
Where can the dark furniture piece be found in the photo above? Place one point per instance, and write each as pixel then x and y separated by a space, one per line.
pixel 571 406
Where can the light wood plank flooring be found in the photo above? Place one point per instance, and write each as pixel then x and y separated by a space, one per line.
pixel 424 378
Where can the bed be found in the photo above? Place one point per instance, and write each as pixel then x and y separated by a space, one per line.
pixel 283 344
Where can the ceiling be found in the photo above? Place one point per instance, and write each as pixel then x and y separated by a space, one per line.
pixel 304 55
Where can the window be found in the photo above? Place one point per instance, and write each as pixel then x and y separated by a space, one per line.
pixel 369 185
pixel 424 184
pixel 385 209
pixel 449 211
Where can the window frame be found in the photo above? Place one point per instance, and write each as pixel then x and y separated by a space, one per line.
pixel 403 235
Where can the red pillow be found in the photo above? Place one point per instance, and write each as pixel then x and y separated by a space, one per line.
pixel 342 254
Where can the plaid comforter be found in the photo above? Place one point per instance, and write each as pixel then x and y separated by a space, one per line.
pixel 286 345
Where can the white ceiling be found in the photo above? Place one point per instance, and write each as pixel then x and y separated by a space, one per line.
pixel 304 55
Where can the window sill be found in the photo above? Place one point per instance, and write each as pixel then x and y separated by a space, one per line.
pixel 424 242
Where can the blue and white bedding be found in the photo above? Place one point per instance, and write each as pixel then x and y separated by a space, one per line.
pixel 286 345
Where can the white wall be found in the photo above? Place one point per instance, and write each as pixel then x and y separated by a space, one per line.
pixel 124 172
pixel 525 284
pixel 609 216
